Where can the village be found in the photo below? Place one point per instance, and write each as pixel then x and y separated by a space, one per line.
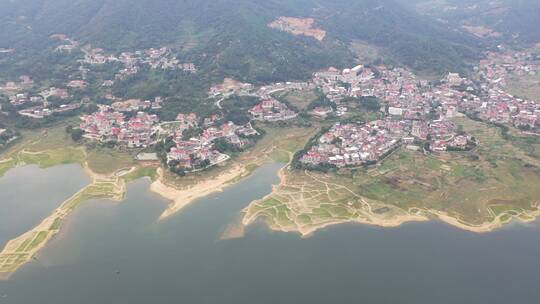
pixel 59 99
pixel 354 144
pixel 420 112
pixel 198 142
pixel 410 98
pixel 190 151
pixel 33 101
pixel 416 113
pixel 155 58
pixel 269 109
pixel 108 125
pixel 41 104
pixel 497 104
pixel 200 152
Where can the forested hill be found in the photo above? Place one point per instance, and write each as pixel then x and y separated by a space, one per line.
pixel 232 37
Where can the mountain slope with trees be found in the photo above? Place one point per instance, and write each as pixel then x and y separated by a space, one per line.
pixel 231 37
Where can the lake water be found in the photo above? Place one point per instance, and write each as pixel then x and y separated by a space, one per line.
pixel 183 260
pixel 29 194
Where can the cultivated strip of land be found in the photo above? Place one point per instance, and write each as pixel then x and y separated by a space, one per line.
pixel 478 191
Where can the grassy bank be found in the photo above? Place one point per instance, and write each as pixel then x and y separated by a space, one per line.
pixel 495 183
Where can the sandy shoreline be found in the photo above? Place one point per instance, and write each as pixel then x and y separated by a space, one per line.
pixel 369 218
pixel 180 198
pixel 399 220
pixel 307 231
pixel 486 227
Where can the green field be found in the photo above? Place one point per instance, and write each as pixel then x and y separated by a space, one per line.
pixel 106 161
pixel 141 172
pixel 6 165
pixel 298 99
pixel 53 146
pixel 525 86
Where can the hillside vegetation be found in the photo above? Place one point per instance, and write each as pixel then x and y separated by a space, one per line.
pixel 226 37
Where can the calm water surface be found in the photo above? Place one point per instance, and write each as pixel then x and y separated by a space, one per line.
pixel 29 194
pixel 183 260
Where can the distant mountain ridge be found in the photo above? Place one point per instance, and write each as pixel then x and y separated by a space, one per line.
pixel 516 20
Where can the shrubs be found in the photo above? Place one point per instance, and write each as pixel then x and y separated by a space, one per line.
pixel 76 134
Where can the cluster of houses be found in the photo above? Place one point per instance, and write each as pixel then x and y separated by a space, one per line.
pixel 40 112
pixel 355 144
pixel 156 58
pixel 407 97
pixel 163 59
pixel 416 111
pixel 133 105
pixel 111 124
pixel 39 105
pixel 497 104
pixel 352 145
pixel 199 152
pixel 231 87
pixel 266 91
pixel 269 109
pixel 68 45
pixel 272 110
pixel 192 156
pixel 107 125
pixel 441 135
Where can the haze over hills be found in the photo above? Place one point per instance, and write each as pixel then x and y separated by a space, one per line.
pixel 228 37
pixel 509 19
